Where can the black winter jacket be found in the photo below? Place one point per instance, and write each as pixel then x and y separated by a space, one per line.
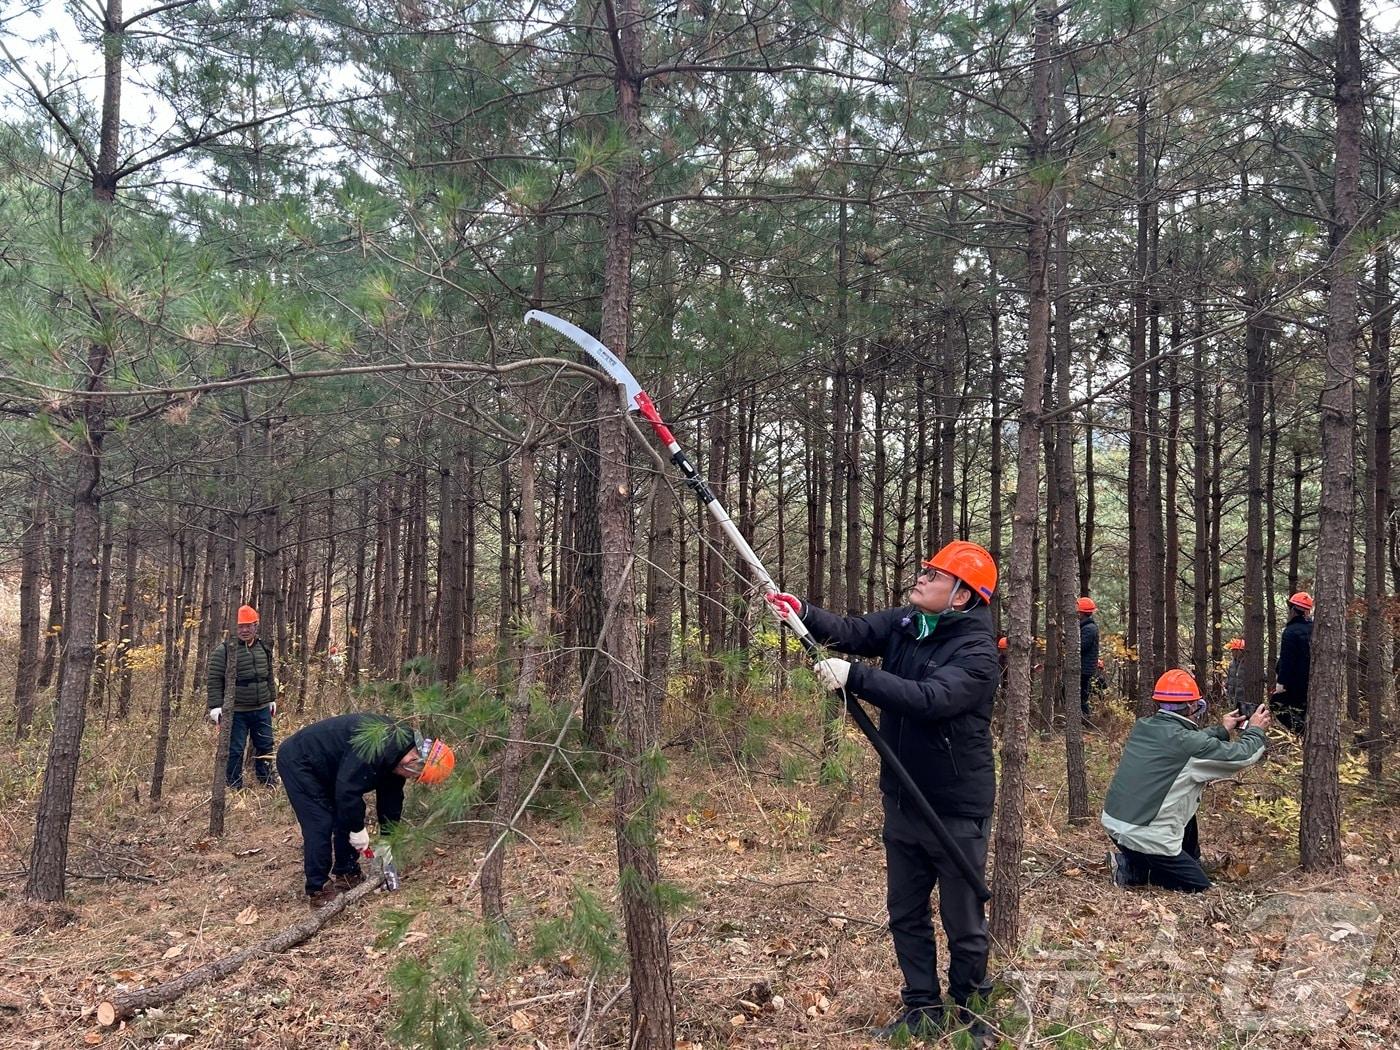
pixel 1295 659
pixel 1089 647
pixel 326 754
pixel 935 698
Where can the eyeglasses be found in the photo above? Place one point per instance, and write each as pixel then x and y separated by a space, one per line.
pixel 928 572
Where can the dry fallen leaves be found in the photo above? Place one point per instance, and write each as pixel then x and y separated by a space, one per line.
pixel 175 951
pixel 247 916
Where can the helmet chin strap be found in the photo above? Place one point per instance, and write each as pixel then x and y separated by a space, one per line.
pixel 958 586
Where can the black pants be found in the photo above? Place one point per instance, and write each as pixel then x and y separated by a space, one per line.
pixel 1085 681
pixel 913 868
pixel 1181 872
pixel 315 812
pixel 1290 709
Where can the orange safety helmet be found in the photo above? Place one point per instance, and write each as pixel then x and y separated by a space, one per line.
pixel 1176 687
pixel 970 563
pixel 1302 600
pixel 438 761
pixel 1086 605
pixel 1002 643
pixel 1236 644
pixel 247 614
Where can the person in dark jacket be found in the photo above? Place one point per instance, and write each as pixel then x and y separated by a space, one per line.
pixel 1088 651
pixel 1290 701
pixel 327 768
pixel 935 688
pixel 1234 674
pixel 254 698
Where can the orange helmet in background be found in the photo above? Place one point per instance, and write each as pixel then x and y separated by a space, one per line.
pixel 1086 605
pixel 1002 643
pixel 1302 600
pixel 970 563
pixel 247 614
pixel 1176 687
pixel 1236 645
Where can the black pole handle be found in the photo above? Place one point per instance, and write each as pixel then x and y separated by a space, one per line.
pixel 887 755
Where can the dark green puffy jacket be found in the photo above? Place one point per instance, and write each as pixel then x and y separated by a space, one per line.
pixel 257 686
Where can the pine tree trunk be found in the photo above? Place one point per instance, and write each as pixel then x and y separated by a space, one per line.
pixel 535 608
pixel 1064 499
pixel 648 945
pixel 1200 464
pixel 877 563
pixel 1086 550
pixel 102 656
pixel 233 597
pixel 994 468
pixel 1379 636
pixel 54 631
pixel 126 638
pixel 588 576
pixel 169 627
pixel 1010 816
pixel 1256 370
pixel 1171 566
pixel 449 646
pixel 1142 568
pixel 1320 832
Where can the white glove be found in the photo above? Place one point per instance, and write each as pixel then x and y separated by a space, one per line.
pixel 360 840
pixel 215 713
pixel 273 706
pixel 833 673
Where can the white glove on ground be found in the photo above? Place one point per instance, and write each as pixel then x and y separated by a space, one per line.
pixel 360 840
pixel 215 713
pixel 273 706
pixel 833 673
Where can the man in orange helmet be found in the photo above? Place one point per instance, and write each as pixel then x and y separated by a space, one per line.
pixel 1234 674
pixel 1150 810
pixel 328 766
pixel 254 698
pixel 1294 662
pixel 935 688
pixel 1088 651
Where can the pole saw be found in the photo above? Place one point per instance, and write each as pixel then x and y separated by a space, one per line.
pixel 638 399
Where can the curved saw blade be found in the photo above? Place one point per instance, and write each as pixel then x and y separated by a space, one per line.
pixel 606 359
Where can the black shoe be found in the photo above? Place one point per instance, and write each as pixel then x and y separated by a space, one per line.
pixel 1117 867
pixel 917 1022
pixel 979 1034
pixel 348 881
pixel 318 899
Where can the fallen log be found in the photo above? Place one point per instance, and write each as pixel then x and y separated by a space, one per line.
pixel 124 1004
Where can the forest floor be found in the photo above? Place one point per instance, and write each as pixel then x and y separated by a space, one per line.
pixel 781 942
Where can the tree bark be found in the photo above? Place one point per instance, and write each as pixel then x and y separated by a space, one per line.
pixel 1379 639
pixel 535 631
pixel 1010 818
pixel 635 799
pixel 1320 830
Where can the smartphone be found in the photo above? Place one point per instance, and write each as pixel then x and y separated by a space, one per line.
pixel 1246 710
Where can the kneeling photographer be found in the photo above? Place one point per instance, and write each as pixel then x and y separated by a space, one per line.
pixel 1150 811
